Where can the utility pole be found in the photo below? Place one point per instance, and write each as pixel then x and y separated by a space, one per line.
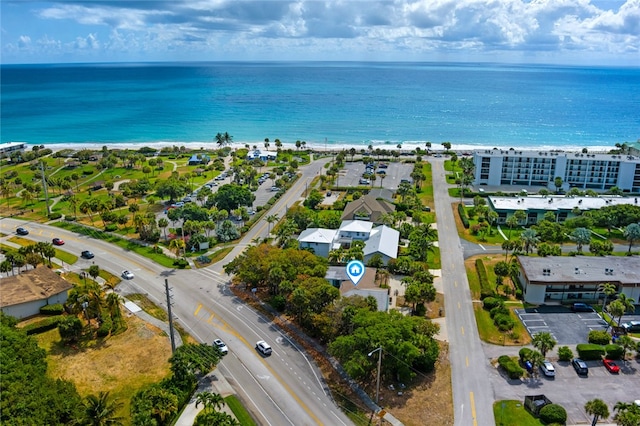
pixel 167 290
pixel 44 186
pixel 379 350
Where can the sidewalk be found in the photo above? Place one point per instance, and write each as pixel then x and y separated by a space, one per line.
pixel 212 382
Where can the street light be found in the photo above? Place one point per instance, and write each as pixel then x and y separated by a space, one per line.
pixel 379 350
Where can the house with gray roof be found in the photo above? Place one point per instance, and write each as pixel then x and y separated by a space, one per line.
pixel 337 276
pixel 367 208
pixel 380 240
pixel 568 279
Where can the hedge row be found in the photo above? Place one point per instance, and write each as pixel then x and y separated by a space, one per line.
pixel 500 314
pixel 463 215
pixel 486 289
pixel 43 325
pixel 599 337
pixel 514 371
pixel 589 351
pixel 55 309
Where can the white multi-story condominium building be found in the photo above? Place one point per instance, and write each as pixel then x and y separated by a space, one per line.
pixel 498 167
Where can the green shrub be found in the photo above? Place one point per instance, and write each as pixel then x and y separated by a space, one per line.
pixel 55 309
pixel 486 289
pixel 513 370
pixel 55 215
pixel 525 354
pixel 589 351
pixel 565 354
pixel 504 322
pixel 105 326
pixel 87 172
pixel 70 218
pixel 463 216
pixel 553 413
pixel 278 303
pixel 614 351
pixel 488 303
pixel 599 337
pixel 499 310
pixel 43 325
pixel 180 263
pixel 112 227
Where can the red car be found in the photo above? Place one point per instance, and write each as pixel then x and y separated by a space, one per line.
pixel 611 366
pixel 58 242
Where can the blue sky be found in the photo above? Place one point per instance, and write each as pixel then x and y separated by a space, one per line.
pixel 572 32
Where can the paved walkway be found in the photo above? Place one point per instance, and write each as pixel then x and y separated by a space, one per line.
pixel 212 382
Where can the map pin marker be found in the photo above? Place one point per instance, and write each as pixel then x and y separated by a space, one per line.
pixel 355 271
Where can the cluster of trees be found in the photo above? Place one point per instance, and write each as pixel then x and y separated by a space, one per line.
pixel 32 254
pixel 294 281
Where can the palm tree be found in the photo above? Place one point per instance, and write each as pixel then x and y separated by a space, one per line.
pixel 543 342
pixel 609 290
pixel 272 218
pixel 99 411
pixel 529 239
pixel 632 233
pixel 581 236
pixel 626 303
pixel 512 222
pixel 211 401
pixel 536 359
pixel 177 245
pixel 163 223
pixel 598 409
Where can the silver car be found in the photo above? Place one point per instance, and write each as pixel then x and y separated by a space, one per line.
pixel 548 369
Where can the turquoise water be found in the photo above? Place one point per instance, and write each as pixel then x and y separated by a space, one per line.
pixel 343 103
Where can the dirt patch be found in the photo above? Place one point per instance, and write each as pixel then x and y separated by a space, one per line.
pixel 428 401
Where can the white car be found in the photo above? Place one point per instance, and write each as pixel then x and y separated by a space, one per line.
pixel 263 347
pixel 548 369
pixel 221 345
pixel 127 275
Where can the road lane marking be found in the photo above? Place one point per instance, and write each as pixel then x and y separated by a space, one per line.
pixel 455 283
pixel 467 360
pixel 459 305
pixel 198 309
pixel 473 409
pixel 462 329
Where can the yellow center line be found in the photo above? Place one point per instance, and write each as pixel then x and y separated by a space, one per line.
pixel 458 305
pixel 473 409
pixel 467 360
pixel 284 384
pixel 462 329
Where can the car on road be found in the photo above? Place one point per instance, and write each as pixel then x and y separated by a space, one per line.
pixel 548 369
pixel 58 242
pixel 87 255
pixel 22 231
pixel 263 347
pixel 221 345
pixel 580 366
pixel 611 366
pixel 127 275
pixel 581 307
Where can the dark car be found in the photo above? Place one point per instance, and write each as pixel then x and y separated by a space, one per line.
pixel 580 366
pixel 22 231
pixel 87 254
pixel 581 307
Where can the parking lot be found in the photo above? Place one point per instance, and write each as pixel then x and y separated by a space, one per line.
pixel 351 174
pixel 566 327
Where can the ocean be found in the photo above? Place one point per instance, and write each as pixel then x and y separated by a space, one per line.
pixel 351 104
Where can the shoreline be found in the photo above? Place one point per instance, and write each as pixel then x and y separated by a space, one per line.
pixel 317 146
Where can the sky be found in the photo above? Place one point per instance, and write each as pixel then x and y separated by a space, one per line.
pixel 568 32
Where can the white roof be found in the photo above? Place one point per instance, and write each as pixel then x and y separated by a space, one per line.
pixel 384 240
pixel 552 203
pixel 317 235
pixel 356 226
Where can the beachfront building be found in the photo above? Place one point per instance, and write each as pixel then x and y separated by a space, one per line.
pixel 199 159
pixel 8 148
pixel 564 207
pixel 600 172
pixel 379 240
pixel 568 279
pixel 260 155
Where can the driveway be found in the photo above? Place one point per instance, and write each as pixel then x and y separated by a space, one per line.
pixel 566 327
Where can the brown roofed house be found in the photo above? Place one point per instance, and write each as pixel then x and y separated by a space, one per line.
pixel 367 208
pixel 22 295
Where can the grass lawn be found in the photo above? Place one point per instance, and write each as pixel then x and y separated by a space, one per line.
pixel 509 412
pixel 243 416
pixel 120 364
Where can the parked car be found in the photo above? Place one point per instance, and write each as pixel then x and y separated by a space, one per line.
pixel 548 369
pixel 58 242
pixel 631 326
pixel 87 254
pixel 580 366
pixel 581 307
pixel 127 275
pixel 275 189
pixel 221 345
pixel 611 366
pixel 364 181
pixel 263 347
pixel 22 231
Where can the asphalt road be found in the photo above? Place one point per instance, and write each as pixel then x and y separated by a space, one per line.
pixel 283 389
pixel 472 398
